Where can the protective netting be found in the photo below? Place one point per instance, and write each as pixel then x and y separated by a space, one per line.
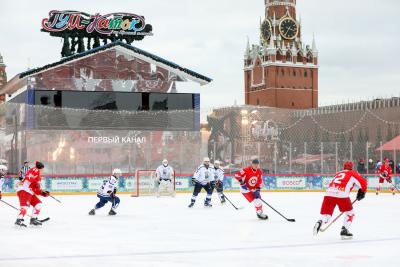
pixel 76 141
pixel 307 141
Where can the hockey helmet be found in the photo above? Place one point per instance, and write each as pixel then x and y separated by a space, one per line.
pixel 217 163
pixel 39 165
pixel 348 165
pixel 117 173
pixel 3 170
pixel 165 162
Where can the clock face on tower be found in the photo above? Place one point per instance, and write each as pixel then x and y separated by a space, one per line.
pixel 288 28
pixel 266 30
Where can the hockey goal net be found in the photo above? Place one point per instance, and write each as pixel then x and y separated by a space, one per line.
pixel 146 184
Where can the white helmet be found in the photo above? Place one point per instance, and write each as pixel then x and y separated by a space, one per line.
pixel 206 159
pixel 217 163
pixel 165 162
pixel 117 173
pixel 3 170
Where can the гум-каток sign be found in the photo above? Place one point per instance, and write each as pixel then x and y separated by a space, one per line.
pixel 113 23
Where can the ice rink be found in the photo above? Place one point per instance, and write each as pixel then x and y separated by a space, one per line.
pixel 163 232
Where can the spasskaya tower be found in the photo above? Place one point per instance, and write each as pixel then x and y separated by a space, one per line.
pixel 281 71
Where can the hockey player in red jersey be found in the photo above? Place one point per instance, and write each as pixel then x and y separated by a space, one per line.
pixel 27 191
pixel 250 182
pixel 338 194
pixel 385 174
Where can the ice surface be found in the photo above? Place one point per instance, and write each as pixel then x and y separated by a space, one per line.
pixel 163 232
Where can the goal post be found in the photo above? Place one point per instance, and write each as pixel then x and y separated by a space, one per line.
pixel 146 183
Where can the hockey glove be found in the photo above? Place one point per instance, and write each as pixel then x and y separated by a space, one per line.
pixel 193 181
pixel 257 194
pixel 244 187
pixel 45 193
pixel 212 184
pixel 360 195
pixel 219 184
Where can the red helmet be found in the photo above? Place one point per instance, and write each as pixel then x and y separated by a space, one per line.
pixel 348 165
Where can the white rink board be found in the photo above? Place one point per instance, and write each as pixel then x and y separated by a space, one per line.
pixel 163 232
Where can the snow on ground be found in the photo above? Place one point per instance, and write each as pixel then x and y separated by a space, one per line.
pixel 163 232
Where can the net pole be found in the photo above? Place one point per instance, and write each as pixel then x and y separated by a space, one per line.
pixel 290 158
pixel 305 157
pixel 336 157
pixel 322 157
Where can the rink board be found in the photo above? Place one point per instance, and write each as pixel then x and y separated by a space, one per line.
pixel 82 184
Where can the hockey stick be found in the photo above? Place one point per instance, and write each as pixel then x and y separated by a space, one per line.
pixel 55 199
pixel 395 187
pixel 8 204
pixel 236 208
pixel 332 222
pixel 289 220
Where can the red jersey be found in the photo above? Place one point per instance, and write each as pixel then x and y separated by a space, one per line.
pixel 31 182
pixel 383 170
pixel 343 182
pixel 250 177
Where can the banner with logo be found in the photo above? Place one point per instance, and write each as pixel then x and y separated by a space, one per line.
pixel 76 184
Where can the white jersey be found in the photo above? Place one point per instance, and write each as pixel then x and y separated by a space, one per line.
pixel 218 174
pixel 204 175
pixel 3 171
pixel 1 182
pixel 165 173
pixel 108 187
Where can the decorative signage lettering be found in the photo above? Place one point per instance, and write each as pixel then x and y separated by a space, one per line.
pixel 74 27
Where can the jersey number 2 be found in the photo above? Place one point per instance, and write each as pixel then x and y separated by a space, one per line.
pixel 338 178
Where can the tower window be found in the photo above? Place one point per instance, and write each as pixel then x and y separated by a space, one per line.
pixel 292 104
pixel 305 74
pixel 294 73
pixel 282 73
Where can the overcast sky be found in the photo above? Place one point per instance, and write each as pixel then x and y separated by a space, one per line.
pixel 358 40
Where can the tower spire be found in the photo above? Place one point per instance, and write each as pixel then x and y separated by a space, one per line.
pixel 247 51
pixel 1 61
pixel 314 45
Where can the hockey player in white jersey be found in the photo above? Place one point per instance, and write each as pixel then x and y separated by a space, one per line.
pixel 218 182
pixel 202 178
pixel 107 193
pixel 165 175
pixel 3 172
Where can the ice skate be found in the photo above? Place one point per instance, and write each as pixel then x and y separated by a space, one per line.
pixel 207 204
pixel 112 212
pixel 345 234
pixel 317 227
pixel 191 205
pixel 223 201
pixel 20 223
pixel 92 212
pixel 35 222
pixel 262 216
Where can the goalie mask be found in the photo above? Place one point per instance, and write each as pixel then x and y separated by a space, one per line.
pixel 206 161
pixel 165 163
